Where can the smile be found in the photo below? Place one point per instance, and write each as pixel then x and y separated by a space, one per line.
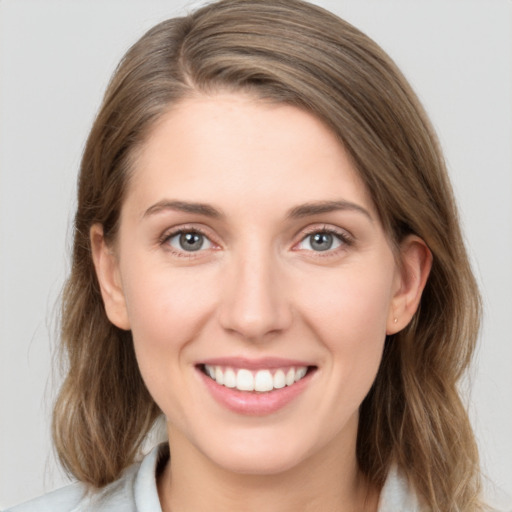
pixel 261 381
pixel 255 387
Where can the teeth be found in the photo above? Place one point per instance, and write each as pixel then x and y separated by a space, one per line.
pixel 279 379
pixel 299 374
pixel 244 380
pixel 219 375
pixel 290 377
pixel 261 380
pixel 229 378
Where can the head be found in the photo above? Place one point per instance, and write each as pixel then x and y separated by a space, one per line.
pixel 281 53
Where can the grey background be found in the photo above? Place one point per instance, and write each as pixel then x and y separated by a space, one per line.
pixel 56 57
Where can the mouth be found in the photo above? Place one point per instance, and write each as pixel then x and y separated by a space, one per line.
pixel 256 387
pixel 262 380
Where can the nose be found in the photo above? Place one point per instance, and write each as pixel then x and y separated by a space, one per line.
pixel 254 301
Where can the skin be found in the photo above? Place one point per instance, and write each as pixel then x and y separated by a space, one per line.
pixel 256 288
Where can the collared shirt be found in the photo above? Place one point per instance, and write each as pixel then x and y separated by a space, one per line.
pixel 136 491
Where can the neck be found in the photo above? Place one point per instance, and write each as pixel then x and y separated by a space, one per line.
pixel 329 482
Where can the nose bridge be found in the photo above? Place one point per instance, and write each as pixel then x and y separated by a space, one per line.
pixel 254 301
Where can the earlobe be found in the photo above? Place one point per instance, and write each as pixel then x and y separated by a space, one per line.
pixel 416 262
pixel 107 272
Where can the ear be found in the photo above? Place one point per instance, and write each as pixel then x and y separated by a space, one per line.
pixel 412 274
pixel 107 271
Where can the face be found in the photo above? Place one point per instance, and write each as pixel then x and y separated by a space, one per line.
pixel 257 281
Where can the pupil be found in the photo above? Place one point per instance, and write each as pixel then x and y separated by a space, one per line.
pixel 191 241
pixel 321 241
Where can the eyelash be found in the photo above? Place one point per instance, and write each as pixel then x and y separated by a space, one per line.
pixel 345 239
pixel 168 236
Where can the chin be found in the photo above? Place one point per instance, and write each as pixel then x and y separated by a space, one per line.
pixel 260 463
pixel 258 455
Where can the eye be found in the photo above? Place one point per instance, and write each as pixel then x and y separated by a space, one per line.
pixel 322 240
pixel 189 241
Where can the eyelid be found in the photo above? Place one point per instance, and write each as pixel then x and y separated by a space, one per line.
pixel 346 238
pixel 170 233
pixel 178 238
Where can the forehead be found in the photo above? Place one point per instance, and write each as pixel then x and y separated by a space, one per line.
pixel 232 146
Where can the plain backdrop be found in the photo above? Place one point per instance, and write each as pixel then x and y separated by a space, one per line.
pixel 56 57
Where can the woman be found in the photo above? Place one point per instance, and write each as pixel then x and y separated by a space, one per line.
pixel 267 252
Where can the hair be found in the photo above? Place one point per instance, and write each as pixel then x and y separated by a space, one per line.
pixel 291 52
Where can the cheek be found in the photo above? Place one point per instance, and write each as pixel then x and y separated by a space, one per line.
pixel 352 300
pixel 349 314
pixel 167 304
pixel 167 309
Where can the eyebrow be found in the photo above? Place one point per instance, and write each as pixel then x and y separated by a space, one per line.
pixel 298 212
pixel 184 206
pixel 319 207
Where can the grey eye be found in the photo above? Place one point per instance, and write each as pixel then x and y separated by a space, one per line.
pixel 321 241
pixel 189 241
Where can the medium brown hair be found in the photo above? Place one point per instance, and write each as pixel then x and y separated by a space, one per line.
pixel 290 52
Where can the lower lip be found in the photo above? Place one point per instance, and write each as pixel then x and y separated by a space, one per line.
pixel 254 403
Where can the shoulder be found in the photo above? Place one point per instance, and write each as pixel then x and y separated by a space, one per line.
pixel 496 499
pixel 134 491
pixel 65 500
pixel 396 495
pixel 76 497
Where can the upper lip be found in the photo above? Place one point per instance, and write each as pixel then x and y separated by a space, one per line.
pixel 262 363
